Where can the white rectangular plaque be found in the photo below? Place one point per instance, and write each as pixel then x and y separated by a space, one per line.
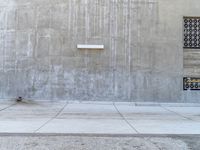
pixel 84 46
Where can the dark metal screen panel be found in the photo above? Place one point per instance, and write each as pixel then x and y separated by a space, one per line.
pixel 192 32
pixel 191 83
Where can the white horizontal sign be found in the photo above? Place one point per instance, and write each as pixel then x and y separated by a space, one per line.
pixel 82 46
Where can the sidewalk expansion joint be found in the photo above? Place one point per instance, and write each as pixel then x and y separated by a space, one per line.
pixel 8 107
pixel 178 114
pixel 54 117
pixel 124 118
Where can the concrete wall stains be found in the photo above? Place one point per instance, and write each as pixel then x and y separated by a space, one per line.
pixel 142 60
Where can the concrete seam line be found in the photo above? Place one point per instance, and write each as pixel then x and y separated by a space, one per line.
pixel 180 115
pixel 8 107
pixel 96 135
pixel 132 127
pixel 55 116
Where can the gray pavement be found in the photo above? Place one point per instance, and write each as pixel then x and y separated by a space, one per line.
pixel 64 142
pixel 98 118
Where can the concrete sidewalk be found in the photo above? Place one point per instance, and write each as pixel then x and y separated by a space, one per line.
pixel 98 118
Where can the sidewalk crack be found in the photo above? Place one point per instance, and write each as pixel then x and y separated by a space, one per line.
pixel 178 114
pixel 54 117
pixel 124 118
pixel 8 107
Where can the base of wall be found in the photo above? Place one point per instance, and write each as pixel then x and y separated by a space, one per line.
pixel 136 104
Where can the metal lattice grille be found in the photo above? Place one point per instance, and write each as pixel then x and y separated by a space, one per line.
pixel 192 32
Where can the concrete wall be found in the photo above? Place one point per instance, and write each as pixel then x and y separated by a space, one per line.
pixel 142 60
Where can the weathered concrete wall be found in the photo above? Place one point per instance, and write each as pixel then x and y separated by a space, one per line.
pixel 142 60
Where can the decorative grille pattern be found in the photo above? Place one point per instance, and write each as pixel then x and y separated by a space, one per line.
pixel 191 83
pixel 192 32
